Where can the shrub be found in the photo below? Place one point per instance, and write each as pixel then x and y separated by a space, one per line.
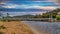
pixel 58 17
pixel 1 33
pixel 2 27
pixel 13 33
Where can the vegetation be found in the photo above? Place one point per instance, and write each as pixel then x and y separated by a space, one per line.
pixel 15 27
pixel 7 16
pixel 2 27
pixel 1 33
pixel 58 17
pixel 49 14
pixel 13 33
pixel 44 15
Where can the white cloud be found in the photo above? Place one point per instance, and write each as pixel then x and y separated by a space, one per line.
pixel 37 7
pixel 56 1
pixel 42 7
pixel 47 7
pixel 8 6
pixel 28 7
pixel 14 6
pixel 42 1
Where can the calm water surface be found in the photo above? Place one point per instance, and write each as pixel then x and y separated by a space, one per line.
pixel 51 27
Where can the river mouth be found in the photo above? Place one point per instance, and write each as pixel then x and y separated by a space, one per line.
pixel 52 28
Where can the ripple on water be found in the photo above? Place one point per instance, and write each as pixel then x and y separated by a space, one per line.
pixel 53 28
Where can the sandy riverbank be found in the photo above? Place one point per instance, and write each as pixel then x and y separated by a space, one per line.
pixel 14 27
pixel 18 27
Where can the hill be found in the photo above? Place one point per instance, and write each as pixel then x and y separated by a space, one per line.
pixel 51 14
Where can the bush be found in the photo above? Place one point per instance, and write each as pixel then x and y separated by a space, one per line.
pixel 1 33
pixel 13 33
pixel 58 17
pixel 2 27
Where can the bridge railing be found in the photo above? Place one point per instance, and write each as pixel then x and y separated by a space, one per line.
pixel 27 19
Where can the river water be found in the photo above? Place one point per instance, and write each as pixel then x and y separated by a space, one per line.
pixel 51 27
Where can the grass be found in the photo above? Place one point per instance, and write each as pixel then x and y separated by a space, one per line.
pixel 58 17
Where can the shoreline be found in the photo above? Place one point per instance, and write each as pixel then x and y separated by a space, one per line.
pixel 16 27
pixel 36 31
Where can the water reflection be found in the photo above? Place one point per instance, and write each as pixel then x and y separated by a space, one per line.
pixel 52 28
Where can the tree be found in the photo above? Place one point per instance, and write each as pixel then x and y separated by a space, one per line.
pixel 37 16
pixel 45 15
pixel 51 14
pixel 7 14
pixel 7 17
pixel 1 14
pixel 54 12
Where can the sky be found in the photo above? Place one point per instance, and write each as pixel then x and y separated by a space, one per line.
pixel 20 7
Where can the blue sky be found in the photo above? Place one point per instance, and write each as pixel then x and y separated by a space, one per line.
pixel 21 4
pixel 28 5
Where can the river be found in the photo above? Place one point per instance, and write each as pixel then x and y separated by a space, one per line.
pixel 51 27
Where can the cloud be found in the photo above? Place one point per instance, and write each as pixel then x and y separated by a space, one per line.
pixel 16 6
pixel 22 13
pixel 8 6
pixel 31 4
pixel 56 1
pixel 23 6
pixel 2 3
pixel 42 7
pixel 47 7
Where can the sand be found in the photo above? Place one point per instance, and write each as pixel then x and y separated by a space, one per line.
pixel 15 27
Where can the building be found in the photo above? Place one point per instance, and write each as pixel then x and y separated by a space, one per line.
pixel 58 13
